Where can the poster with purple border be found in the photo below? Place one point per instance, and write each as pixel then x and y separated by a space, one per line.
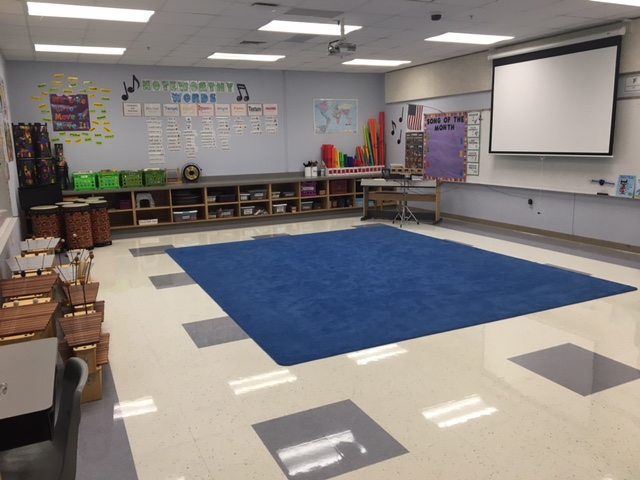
pixel 445 146
pixel 70 113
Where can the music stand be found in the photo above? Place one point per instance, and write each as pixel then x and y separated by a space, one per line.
pixel 405 214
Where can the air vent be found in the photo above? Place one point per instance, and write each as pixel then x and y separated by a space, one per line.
pixel 251 42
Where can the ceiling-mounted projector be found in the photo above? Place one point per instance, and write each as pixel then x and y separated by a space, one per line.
pixel 341 48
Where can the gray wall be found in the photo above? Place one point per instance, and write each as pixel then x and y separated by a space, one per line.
pixel 286 151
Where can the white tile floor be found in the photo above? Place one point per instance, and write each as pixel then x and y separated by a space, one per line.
pixel 517 425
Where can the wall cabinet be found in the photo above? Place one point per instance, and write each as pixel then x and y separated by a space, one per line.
pixel 219 199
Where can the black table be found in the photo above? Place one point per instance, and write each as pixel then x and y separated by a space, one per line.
pixel 27 406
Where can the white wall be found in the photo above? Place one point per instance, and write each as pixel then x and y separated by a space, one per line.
pixel 472 73
pixel 10 234
pixel 491 195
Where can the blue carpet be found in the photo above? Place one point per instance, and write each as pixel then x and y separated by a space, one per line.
pixel 307 297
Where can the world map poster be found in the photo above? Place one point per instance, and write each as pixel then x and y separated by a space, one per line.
pixel 335 116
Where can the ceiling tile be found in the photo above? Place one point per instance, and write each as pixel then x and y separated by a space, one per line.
pixel 166 18
pixel 195 6
pixel 11 19
pixel 183 31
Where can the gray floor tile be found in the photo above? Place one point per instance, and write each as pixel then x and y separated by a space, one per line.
pixel 577 369
pixel 271 235
pixel 328 441
pixel 144 251
pixel 215 331
pixel 171 280
pixel 103 446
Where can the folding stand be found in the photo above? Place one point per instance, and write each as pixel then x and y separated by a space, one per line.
pixel 405 214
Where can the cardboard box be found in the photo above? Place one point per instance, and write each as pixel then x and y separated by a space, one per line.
pixel 93 388
pixel 88 354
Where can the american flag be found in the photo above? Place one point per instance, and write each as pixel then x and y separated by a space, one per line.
pixel 414 117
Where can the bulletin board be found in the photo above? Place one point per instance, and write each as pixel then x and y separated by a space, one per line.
pixel 445 146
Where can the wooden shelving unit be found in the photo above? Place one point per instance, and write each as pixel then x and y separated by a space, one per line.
pixel 220 199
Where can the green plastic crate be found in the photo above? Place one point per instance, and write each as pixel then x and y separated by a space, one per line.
pixel 130 178
pixel 154 177
pixel 83 181
pixel 108 180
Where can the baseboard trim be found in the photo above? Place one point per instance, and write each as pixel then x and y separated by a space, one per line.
pixel 548 233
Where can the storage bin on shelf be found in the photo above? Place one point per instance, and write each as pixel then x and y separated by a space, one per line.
pixel 308 189
pixel 247 210
pixel 279 208
pixel 337 186
pixel 185 216
pixel 308 205
pixel 258 194
pixel 130 178
pixel 84 181
pixel 154 177
pixel 227 197
pixel 108 180
pixel 224 213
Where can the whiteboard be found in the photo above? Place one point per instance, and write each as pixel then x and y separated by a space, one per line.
pixel 566 174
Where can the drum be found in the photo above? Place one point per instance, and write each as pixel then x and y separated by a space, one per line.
pixel 77 225
pixel 62 204
pixel 46 221
pixel 100 224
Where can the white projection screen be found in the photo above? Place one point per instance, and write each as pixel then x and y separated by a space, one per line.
pixel 559 101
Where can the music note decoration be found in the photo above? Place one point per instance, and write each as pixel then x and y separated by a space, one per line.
pixel 400 137
pixel 242 88
pixel 393 127
pixel 135 83
pixel 401 115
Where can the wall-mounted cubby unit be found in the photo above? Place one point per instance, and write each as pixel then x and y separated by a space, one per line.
pixel 215 199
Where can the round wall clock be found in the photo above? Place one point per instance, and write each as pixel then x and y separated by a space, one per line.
pixel 191 172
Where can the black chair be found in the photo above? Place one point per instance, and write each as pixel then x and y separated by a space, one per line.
pixel 55 459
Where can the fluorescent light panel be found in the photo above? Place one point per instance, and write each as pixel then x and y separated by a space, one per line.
pixel 472 38
pixel 631 3
pixel 307 28
pixel 376 63
pixel 79 49
pixel 244 56
pixel 93 13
